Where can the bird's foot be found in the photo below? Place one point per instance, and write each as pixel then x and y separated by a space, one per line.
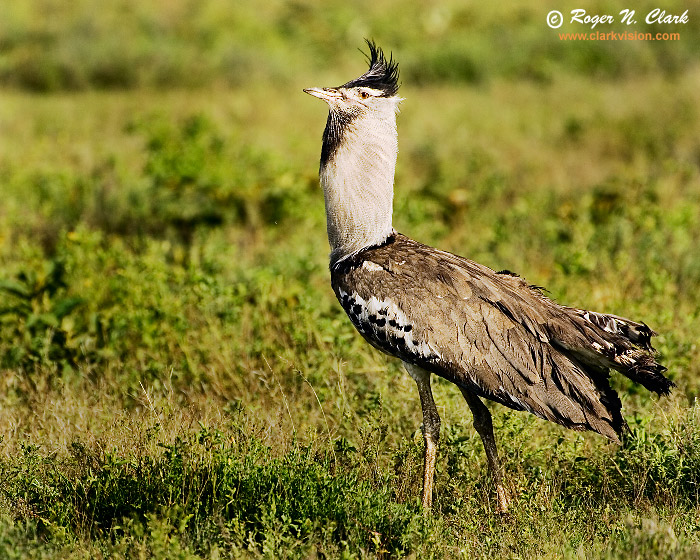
pixel 502 500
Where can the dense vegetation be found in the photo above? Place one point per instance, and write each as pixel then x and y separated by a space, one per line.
pixel 176 378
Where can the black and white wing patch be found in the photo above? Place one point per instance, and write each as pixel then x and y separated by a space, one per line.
pixel 385 325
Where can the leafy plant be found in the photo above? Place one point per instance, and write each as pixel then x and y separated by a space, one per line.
pixel 39 318
pixel 198 178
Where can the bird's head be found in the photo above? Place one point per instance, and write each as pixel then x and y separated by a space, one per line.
pixel 371 97
pixel 372 91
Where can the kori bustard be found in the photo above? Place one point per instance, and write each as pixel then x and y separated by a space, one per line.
pixel 490 333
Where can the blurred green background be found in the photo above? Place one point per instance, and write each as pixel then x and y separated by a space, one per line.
pixel 50 46
pixel 176 377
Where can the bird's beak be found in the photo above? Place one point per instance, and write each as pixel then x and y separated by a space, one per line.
pixel 327 94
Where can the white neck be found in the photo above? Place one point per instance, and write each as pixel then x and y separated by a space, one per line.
pixel 358 183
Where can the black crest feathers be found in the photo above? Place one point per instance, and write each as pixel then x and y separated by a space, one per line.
pixel 383 74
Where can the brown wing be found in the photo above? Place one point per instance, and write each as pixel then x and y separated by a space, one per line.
pixel 490 333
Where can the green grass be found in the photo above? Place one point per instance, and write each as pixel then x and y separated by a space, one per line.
pixel 176 377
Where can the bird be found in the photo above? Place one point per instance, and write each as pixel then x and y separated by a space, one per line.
pixel 492 334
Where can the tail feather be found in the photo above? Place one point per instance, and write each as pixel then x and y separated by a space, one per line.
pixel 624 345
pixel 641 367
pixel 638 334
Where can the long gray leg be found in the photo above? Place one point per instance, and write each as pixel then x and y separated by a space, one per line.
pixel 431 431
pixel 484 425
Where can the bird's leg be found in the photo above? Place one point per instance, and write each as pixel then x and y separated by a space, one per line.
pixel 484 426
pixel 431 431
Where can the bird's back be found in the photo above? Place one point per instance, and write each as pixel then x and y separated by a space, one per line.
pixel 494 334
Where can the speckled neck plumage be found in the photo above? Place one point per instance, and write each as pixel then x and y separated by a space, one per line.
pixel 357 176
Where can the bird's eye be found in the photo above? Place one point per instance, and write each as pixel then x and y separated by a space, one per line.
pixel 364 94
